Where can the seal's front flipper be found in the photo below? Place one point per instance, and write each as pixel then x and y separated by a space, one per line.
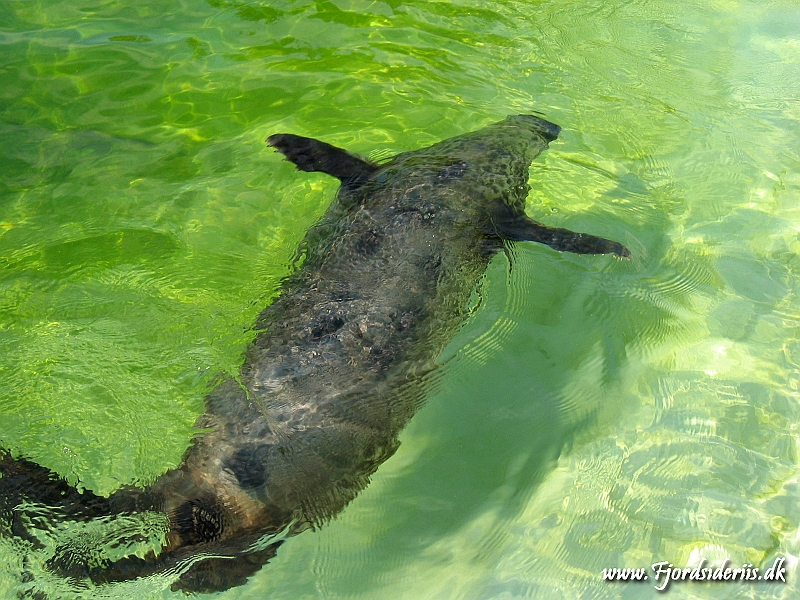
pixel 312 155
pixel 523 228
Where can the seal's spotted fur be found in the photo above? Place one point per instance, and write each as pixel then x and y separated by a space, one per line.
pixel 340 360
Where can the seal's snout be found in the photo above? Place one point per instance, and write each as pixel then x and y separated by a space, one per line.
pixel 548 130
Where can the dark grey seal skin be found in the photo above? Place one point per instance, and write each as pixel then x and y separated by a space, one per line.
pixel 340 360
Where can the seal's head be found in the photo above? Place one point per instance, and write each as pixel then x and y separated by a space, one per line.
pixel 549 131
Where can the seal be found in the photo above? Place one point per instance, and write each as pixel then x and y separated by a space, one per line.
pixel 339 363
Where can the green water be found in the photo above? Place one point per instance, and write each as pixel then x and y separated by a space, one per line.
pixel 594 412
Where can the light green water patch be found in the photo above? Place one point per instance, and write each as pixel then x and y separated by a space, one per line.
pixel 593 413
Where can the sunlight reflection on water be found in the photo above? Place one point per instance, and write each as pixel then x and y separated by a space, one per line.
pixel 595 413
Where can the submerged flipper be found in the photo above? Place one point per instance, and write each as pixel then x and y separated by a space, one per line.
pixel 523 228
pixel 312 155
pixel 23 480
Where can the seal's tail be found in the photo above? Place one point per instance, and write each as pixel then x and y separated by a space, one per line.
pixel 83 536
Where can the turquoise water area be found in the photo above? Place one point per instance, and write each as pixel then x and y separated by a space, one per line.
pixel 593 412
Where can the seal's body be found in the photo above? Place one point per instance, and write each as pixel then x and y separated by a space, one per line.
pixel 341 357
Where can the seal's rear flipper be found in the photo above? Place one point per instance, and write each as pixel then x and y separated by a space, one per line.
pixel 312 155
pixel 523 228
pixel 220 574
pixel 22 480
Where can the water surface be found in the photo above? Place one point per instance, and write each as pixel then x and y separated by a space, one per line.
pixel 594 413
